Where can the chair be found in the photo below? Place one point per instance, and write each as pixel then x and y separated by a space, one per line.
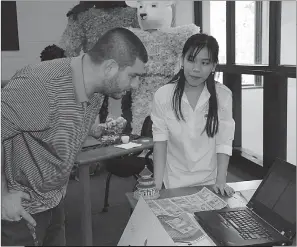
pixel 130 165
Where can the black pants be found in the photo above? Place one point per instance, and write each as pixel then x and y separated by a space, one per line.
pixel 50 229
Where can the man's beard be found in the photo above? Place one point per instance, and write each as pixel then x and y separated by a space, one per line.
pixel 112 89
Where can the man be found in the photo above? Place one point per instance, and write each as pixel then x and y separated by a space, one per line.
pixel 46 113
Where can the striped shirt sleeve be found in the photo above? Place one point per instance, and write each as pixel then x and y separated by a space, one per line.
pixel 24 107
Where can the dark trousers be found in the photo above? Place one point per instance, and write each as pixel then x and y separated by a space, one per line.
pixel 50 229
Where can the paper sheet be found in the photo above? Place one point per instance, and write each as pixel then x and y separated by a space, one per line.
pixel 128 145
pixel 204 200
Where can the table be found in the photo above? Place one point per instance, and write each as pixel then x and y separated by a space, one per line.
pixel 167 193
pixel 84 160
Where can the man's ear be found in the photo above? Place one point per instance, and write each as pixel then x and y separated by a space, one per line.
pixel 111 68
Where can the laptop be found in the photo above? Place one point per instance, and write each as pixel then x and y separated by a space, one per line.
pixel 268 219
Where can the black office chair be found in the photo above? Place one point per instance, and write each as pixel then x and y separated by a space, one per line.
pixel 129 165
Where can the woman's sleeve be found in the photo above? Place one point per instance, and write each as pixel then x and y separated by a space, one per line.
pixel 159 127
pixel 225 135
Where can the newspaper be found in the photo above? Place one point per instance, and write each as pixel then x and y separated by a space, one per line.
pixel 204 200
pixel 182 228
pixel 176 214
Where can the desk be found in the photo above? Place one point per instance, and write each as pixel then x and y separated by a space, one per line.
pixel 167 193
pixel 86 158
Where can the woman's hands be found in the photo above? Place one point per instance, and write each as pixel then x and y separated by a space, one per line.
pixel 223 188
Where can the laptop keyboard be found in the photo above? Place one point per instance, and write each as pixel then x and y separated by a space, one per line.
pixel 246 225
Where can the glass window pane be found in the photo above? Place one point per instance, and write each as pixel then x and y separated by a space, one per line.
pixel 288 33
pixel 218 26
pixel 245 32
pixel 291 121
pixel 252 119
pixel 265 31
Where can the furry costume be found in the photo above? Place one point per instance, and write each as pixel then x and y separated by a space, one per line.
pixel 164 48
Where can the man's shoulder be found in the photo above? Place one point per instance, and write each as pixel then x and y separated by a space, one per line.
pixel 46 70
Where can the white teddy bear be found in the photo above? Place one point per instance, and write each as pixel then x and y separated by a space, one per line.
pixel 153 15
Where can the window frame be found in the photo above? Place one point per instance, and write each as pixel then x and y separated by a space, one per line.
pixel 274 92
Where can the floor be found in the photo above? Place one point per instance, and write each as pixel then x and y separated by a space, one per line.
pixel 109 226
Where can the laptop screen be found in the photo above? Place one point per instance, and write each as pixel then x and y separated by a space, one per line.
pixel 275 200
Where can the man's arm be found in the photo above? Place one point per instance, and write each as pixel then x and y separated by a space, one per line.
pixel 4 189
pixel 24 107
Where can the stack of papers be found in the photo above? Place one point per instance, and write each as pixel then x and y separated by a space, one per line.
pixel 128 145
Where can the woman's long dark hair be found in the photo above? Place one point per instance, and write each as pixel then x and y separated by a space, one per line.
pixel 196 43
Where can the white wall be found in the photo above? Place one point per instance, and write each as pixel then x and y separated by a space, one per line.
pixel 184 13
pixel 40 23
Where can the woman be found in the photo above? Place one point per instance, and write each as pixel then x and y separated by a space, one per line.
pixel 193 128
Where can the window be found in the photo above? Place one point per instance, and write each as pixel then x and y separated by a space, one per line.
pixel 218 26
pixel 9 25
pixel 259 45
pixel 251 25
pixel 288 57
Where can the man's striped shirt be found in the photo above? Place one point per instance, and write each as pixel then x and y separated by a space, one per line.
pixel 44 125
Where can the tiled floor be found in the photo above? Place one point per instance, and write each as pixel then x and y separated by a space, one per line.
pixel 107 227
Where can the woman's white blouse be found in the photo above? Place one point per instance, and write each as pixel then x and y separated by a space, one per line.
pixel 191 154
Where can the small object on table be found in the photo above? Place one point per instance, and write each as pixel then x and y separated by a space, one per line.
pixel 146 187
pixel 110 127
pixel 125 139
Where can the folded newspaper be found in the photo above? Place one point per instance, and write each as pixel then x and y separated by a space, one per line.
pixel 182 228
pixel 176 214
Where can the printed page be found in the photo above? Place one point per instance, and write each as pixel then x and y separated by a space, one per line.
pixel 181 228
pixel 190 204
pixel 168 206
pixel 203 200
pixel 157 210
pixel 211 199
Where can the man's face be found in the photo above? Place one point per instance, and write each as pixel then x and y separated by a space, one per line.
pixel 124 80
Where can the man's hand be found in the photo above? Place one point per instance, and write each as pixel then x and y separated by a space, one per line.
pixel 223 188
pixel 12 209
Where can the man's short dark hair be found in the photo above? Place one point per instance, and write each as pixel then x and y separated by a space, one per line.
pixel 119 44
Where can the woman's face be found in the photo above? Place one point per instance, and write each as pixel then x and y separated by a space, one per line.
pixel 198 70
